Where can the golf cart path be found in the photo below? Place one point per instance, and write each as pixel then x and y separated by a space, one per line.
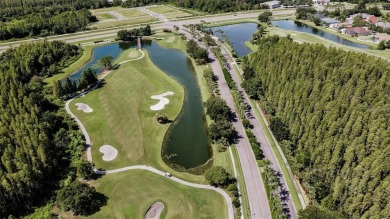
pixel 139 167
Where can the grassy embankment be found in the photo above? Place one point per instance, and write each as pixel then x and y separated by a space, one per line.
pixel 131 193
pixel 310 38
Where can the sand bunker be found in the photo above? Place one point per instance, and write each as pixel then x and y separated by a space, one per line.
pixel 163 101
pixel 154 211
pixel 109 152
pixel 84 107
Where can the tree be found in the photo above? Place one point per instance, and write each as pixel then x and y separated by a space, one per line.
pixel 317 21
pixel 161 118
pixel 222 129
pixel 253 87
pixel 374 11
pixel 105 62
pixel 81 199
pixel 381 45
pixel 315 212
pixel 122 35
pixel 69 87
pixel 217 109
pixel 265 16
pixel 85 169
pixel 88 78
pixel 147 30
pixel 217 176
pixel 58 90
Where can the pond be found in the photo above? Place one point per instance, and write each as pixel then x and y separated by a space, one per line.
pixel 238 34
pixel 298 26
pixel 187 139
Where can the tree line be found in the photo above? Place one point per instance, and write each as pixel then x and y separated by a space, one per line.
pixel 200 55
pixel 40 145
pixel 330 111
pixel 130 34
pixel 42 25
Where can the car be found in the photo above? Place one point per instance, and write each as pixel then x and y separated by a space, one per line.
pixel 167 175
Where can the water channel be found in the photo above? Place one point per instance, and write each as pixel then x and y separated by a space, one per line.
pixel 187 139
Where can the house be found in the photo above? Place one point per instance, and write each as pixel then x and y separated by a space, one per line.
pixel 339 26
pixel 321 2
pixel 320 16
pixel 382 37
pixel 273 4
pixel 372 19
pixel 384 25
pixel 329 21
pixel 356 31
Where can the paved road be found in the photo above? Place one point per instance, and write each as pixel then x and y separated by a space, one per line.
pixel 257 197
pixel 112 32
pixel 153 14
pixel 268 152
pixel 140 167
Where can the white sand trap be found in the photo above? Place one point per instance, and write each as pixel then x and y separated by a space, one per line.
pixel 163 101
pixel 109 152
pixel 170 39
pixel 154 211
pixel 84 107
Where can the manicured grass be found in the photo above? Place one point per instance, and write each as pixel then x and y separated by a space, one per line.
pixel 105 16
pixel 162 9
pixel 240 177
pixel 131 193
pixel 129 13
pixel 84 58
pixel 238 21
pixel 251 46
pixel 122 117
pixel 139 20
pixel 178 14
pixel 102 10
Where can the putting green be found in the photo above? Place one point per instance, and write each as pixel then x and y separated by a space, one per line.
pixel 131 193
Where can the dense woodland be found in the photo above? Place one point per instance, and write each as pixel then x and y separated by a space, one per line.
pixel 40 145
pixel 330 111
